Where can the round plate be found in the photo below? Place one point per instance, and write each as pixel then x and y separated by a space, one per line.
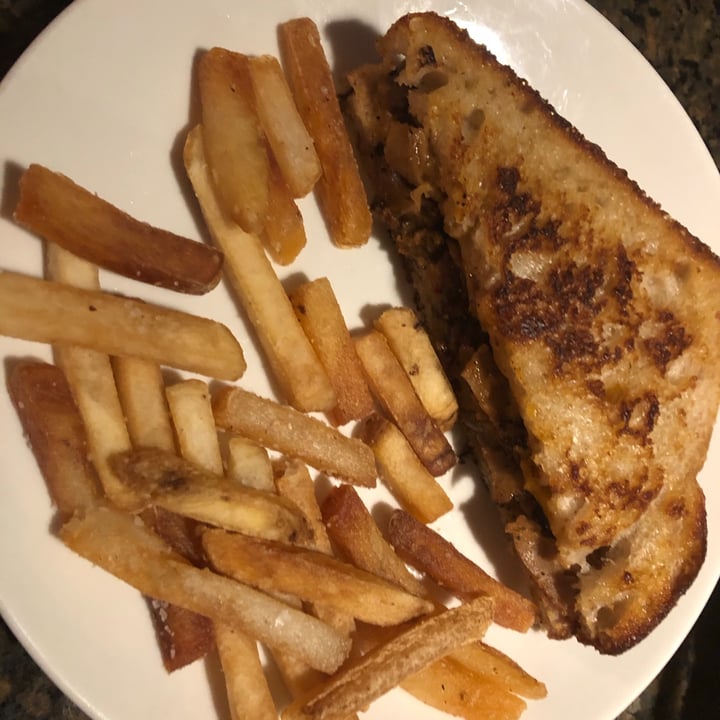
pixel 105 95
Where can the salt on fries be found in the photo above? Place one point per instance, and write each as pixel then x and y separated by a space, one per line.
pixel 204 501
pixel 118 543
pixel 284 429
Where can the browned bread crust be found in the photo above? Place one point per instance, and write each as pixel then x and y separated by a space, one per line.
pixel 527 246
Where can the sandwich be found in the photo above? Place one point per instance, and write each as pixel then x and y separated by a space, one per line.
pixel 579 323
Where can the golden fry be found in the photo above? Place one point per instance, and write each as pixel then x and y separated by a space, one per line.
pixel 403 473
pixel 282 428
pixel 412 347
pixel 56 313
pixel 234 141
pixel 340 191
pixel 119 544
pixel 392 387
pixel 286 133
pixel 322 320
pixel 294 363
pixel 312 576
pixel 358 684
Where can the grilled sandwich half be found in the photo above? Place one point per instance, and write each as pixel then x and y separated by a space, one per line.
pixel 580 324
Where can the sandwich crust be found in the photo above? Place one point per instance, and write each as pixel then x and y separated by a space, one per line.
pixel 579 321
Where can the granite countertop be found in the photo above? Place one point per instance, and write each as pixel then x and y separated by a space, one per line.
pixel 681 39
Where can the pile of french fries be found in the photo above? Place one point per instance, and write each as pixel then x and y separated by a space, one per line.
pixel 203 497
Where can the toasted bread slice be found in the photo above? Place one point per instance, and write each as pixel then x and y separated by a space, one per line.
pixel 526 245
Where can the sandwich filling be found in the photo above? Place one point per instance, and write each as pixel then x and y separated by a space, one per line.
pixel 575 318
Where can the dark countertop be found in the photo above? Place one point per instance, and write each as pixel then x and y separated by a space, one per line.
pixel 681 39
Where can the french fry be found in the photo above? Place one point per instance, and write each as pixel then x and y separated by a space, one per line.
pixel 56 313
pixel 282 428
pixel 247 689
pixel 412 347
pixel 191 412
pixel 284 129
pixel 284 230
pixel 311 576
pixel 293 482
pixel 352 529
pixel 294 363
pixel 234 141
pixel 53 425
pixel 392 387
pixel 141 390
pixel 432 554
pixel 452 688
pixel 245 682
pixel 403 473
pixel 249 464
pixel 322 320
pixel 183 636
pixel 163 479
pixel 489 662
pixel 89 375
pixel 358 684
pixel 340 191
pixel 122 546
pixel 59 210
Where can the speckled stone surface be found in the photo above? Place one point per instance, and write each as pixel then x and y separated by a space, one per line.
pixel 681 39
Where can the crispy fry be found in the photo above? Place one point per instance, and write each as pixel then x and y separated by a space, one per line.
pixel 234 141
pixel 54 427
pixel 249 464
pixel 322 320
pixel 452 688
pixel 163 479
pixel 286 133
pixel 340 191
pixel 403 473
pixel 356 685
pixel 90 377
pixel 489 662
pixel 183 636
pixel 312 576
pixel 191 412
pixel 59 210
pixel 121 545
pixel 52 312
pixel 247 689
pixel 293 482
pixel 284 230
pixel 352 529
pixel 282 428
pixel 246 686
pixel 432 554
pixel 141 390
pixel 294 363
pixel 412 347
pixel 392 387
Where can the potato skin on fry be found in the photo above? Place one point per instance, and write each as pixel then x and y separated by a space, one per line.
pixel 59 210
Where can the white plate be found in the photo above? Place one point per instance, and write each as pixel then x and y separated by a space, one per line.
pixel 104 96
